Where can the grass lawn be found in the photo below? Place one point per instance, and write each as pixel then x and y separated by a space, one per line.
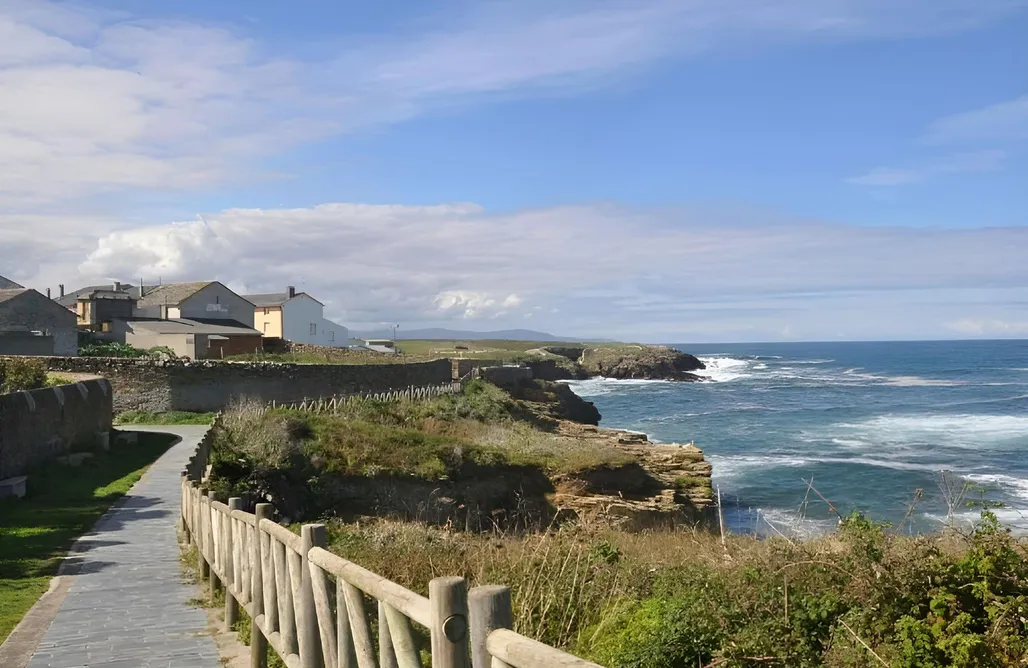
pixel 487 349
pixel 62 503
pixel 170 417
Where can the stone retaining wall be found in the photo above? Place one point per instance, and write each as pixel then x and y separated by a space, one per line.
pixel 208 385
pixel 42 424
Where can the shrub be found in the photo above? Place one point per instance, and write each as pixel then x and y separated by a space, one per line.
pixel 21 374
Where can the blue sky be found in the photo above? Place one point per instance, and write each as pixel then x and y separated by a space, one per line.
pixel 658 169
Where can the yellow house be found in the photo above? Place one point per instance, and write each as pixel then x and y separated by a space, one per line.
pixel 297 317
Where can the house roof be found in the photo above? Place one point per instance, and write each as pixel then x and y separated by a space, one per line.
pixel 8 284
pixel 70 298
pixel 274 298
pixel 209 326
pixel 11 293
pixel 171 294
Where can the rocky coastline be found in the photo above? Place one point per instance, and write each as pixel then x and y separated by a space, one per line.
pixel 618 361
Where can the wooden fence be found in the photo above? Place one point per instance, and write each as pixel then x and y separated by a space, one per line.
pixel 311 606
pixel 333 403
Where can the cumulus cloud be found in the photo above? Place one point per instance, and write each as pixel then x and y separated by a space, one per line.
pixel 593 269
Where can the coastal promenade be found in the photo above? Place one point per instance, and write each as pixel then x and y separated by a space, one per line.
pixel 127 605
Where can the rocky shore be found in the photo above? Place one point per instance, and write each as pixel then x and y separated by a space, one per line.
pixel 620 361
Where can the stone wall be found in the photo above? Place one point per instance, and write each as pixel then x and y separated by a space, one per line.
pixel 505 376
pixel 462 368
pixel 42 424
pixel 208 385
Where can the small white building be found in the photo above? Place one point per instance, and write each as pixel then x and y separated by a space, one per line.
pixel 297 317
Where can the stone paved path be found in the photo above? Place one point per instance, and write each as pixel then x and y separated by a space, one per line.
pixel 128 604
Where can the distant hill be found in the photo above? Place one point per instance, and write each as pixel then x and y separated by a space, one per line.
pixel 440 334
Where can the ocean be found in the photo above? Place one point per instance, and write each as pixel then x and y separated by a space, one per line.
pixel 868 423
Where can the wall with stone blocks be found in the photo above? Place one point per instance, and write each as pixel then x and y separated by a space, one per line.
pixel 42 424
pixel 208 385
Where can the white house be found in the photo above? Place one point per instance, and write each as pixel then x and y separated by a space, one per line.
pixel 297 317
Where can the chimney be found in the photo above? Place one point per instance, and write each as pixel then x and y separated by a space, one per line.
pixel 48 293
pixel 61 286
pixel 292 291
pixel 117 286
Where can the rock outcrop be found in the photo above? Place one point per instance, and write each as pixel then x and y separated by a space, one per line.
pixel 662 485
pixel 621 361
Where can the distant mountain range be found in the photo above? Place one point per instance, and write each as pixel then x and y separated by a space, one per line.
pixel 440 334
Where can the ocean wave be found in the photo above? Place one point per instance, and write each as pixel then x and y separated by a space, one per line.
pixel 791 523
pixel 600 386
pixel 1006 483
pixel 955 430
pixel 730 466
pixel 1013 518
pixel 724 369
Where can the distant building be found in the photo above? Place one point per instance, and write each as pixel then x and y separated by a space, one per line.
pixel 387 346
pixel 297 317
pixel 32 324
pixel 8 284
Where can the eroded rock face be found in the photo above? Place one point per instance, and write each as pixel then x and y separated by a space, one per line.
pixel 641 362
pixel 662 486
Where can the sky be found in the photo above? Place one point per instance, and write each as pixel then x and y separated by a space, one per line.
pixel 655 170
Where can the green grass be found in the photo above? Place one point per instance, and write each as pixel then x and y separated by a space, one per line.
pixel 62 503
pixel 170 417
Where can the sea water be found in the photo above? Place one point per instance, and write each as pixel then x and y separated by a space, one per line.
pixel 869 424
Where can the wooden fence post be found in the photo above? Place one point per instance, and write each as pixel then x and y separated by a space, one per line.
pixel 199 520
pixel 258 643
pixel 213 544
pixel 231 604
pixel 449 601
pixel 490 609
pixel 307 632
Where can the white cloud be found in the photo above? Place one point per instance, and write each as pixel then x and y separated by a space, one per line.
pixel 1006 121
pixel 458 261
pixel 979 327
pixel 958 163
pixel 93 102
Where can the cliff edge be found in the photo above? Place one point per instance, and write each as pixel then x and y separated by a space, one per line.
pixel 621 361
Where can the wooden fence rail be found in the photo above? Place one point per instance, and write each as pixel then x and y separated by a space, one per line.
pixel 316 609
pixel 333 403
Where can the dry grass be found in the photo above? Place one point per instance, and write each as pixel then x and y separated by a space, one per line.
pixel 667 599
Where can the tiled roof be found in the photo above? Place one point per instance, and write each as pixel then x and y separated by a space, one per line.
pixel 191 326
pixel 8 284
pixel 11 293
pixel 171 294
pixel 268 299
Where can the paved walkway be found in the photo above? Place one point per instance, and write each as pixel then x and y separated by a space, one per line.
pixel 127 606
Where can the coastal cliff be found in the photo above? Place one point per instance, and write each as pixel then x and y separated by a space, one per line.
pixel 520 459
pixel 620 361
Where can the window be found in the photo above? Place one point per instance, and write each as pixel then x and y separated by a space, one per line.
pixel 314 329
pixel 332 335
pixel 265 310
pixel 265 328
pixel 105 326
pixel 217 299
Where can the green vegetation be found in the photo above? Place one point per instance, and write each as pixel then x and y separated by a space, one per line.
pixel 299 457
pixel 18 374
pixel 62 503
pixel 862 596
pixel 170 417
pixel 115 349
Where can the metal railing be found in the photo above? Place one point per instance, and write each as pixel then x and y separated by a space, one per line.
pixel 309 605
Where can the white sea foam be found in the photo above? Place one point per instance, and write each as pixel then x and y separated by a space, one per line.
pixel 791 523
pixel 730 466
pixel 1012 518
pixel 955 430
pixel 724 369
pixel 595 387
pixel 1007 483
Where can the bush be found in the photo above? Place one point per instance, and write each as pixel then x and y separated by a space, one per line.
pixel 21 374
pixel 110 349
